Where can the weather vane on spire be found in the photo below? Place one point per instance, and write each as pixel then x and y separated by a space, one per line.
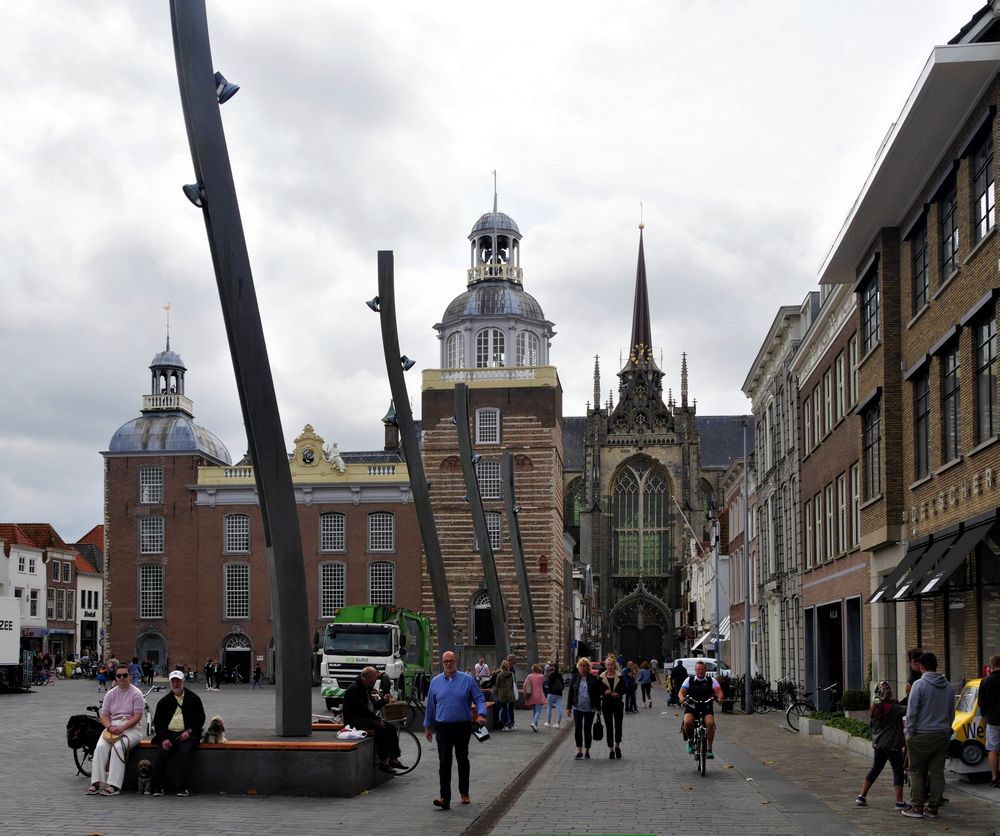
pixel 641 224
pixel 494 190
pixel 167 309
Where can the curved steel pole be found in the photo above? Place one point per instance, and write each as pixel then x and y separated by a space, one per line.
pixel 520 569
pixel 278 512
pixel 411 452
pixel 497 609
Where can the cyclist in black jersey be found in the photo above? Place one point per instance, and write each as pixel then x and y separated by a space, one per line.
pixel 699 687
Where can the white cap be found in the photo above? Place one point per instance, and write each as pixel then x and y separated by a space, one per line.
pixel 176 674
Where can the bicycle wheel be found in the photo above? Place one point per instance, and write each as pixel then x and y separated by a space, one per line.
pixel 84 759
pixel 409 751
pixel 411 717
pixel 702 754
pixel 794 712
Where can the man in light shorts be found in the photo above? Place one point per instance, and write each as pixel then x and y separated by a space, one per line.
pixel 989 708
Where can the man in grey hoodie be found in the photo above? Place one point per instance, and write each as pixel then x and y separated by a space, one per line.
pixel 930 711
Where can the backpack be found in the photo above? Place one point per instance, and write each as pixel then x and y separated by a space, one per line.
pixel 83 730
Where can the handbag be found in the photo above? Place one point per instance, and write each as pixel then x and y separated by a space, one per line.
pixel 110 737
pixel 527 687
pixel 598 732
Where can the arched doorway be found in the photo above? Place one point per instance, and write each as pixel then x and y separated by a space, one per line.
pixel 237 653
pixel 638 623
pixel 152 646
pixel 482 619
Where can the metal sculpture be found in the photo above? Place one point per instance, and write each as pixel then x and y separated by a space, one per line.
pixel 517 550
pixel 385 305
pixel 215 194
pixel 497 609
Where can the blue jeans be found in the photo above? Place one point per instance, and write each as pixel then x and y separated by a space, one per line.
pixel 555 701
pixel 507 714
pixel 536 714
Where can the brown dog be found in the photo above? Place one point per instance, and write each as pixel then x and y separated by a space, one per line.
pixel 145 771
pixel 216 731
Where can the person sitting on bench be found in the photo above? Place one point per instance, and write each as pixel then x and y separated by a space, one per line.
pixel 361 705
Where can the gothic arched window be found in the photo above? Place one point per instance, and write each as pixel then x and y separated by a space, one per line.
pixel 640 522
pixel 490 349
pixel 455 352
pixel 527 349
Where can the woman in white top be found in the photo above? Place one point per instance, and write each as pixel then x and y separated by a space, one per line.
pixel 121 713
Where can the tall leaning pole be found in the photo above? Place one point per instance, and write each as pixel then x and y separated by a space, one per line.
pixel 385 305
pixel 215 193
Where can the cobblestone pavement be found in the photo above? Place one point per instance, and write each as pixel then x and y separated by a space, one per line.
pixel 764 780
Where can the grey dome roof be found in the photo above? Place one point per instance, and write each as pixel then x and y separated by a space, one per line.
pixel 168 432
pixel 499 221
pixel 168 358
pixel 494 299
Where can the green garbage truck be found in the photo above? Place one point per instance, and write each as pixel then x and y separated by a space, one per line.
pixel 398 643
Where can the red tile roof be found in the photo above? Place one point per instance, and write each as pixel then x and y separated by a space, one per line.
pixel 83 566
pixel 95 537
pixel 43 535
pixel 12 534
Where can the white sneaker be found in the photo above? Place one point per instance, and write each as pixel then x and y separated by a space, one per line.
pixel 557 725
pixel 546 724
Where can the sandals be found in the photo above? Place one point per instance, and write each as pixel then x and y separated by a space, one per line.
pixel 93 789
pixel 109 790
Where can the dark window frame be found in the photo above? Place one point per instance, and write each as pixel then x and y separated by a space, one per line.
pixel 871 451
pixel 922 425
pixel 919 269
pixel 984 346
pixel 983 188
pixel 948 229
pixel 951 369
pixel 869 308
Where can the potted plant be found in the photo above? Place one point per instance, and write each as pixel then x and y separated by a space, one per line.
pixel 856 704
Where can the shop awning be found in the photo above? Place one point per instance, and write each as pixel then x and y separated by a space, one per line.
pixel 937 550
pixel 888 586
pixel 723 635
pixel 930 578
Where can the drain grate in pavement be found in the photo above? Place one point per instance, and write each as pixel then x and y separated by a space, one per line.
pixel 484 823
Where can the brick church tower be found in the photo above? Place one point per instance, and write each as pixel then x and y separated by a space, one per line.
pixel 495 339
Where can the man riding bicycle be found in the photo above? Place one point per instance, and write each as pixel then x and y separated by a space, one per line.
pixel 699 687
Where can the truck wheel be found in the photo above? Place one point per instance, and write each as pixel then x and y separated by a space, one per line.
pixel 972 753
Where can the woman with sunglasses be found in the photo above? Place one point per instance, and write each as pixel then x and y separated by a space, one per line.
pixel 121 712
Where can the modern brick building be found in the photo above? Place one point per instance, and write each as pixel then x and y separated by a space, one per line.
pixel 920 252
pixel 834 569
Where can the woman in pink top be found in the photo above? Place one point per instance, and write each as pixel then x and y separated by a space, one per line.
pixel 534 694
pixel 121 713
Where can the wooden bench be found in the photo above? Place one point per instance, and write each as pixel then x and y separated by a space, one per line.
pixel 287 766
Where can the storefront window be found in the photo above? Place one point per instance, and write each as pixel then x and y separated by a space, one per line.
pixel 956 637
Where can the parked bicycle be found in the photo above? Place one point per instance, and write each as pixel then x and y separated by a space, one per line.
pixel 804 706
pixel 699 739
pixel 414 702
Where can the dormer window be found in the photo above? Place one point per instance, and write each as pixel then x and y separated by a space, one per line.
pixel 455 351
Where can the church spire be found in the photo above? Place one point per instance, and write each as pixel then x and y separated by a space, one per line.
pixel 640 345
pixel 684 380
pixel 597 382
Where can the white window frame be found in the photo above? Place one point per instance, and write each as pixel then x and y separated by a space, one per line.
pixel 528 346
pixel 150 485
pixel 818 526
pixel 332 532
pixel 50 603
pixel 852 363
pixel 33 602
pixel 831 548
pixel 817 397
pixel 31 566
pixel 491 348
pixel 55 571
pixel 494 531
pixel 855 503
pixel 152 536
pixel 840 383
pixel 807 514
pixel 807 423
pixel 488 476
pixel 150 591
pixel 332 588
pixel 381 531
pixel 67 572
pixel 455 351
pixel 381 582
pixel 236 534
pixel 22 562
pixel 236 591
pixel 488 425
pixel 828 401
pixel 70 604
pixel 842 513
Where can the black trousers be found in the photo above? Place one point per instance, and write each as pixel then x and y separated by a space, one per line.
pixel 453 736
pixel 386 740
pixel 583 723
pixel 181 751
pixel 613 712
pixel 647 689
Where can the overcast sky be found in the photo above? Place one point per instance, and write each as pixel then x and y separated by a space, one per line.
pixel 745 129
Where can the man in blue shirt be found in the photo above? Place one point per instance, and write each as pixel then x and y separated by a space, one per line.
pixel 449 712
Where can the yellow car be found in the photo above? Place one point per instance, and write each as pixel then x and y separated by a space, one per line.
pixel 968 732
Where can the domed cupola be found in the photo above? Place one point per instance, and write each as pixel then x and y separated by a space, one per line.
pixel 167 421
pixel 495 323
